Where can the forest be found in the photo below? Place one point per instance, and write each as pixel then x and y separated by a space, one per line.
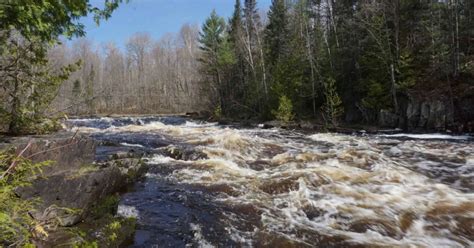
pixel 306 123
pixel 403 63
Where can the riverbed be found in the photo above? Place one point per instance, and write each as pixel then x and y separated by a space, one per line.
pixel 252 187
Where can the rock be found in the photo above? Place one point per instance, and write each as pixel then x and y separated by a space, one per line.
pixel 67 152
pixel 68 197
pixel 388 119
pixel 394 152
pixel 183 153
pixel 424 115
pixel 437 116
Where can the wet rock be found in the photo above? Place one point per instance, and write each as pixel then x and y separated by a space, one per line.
pixel 394 152
pixel 280 186
pixel 183 153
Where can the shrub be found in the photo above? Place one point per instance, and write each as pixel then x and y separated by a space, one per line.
pixel 284 112
pixel 17 227
pixel 332 108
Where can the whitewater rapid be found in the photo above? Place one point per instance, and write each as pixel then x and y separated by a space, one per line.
pixel 271 187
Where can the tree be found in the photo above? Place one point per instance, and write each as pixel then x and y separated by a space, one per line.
pixel 29 82
pixel 28 29
pixel 47 20
pixel 214 47
pixel 332 108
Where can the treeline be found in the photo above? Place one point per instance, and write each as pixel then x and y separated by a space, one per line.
pixel 331 58
pixel 144 77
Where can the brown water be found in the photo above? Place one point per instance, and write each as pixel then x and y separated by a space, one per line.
pixel 277 188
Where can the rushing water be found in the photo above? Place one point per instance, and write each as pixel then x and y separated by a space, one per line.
pixel 279 188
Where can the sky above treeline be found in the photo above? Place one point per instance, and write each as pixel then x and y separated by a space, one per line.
pixel 156 17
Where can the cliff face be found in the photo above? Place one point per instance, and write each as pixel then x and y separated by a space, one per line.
pixel 434 110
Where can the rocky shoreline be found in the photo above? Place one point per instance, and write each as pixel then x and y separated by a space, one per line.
pixel 77 196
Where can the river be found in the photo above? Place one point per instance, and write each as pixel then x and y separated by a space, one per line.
pixel 250 187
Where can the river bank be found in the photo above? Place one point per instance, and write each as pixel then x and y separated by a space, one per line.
pixel 76 195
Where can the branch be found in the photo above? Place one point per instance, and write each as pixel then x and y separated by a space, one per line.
pixel 15 161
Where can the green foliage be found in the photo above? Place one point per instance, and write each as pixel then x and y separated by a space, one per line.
pixel 284 112
pixel 277 33
pixel 376 97
pixel 217 113
pixel 17 227
pixel 107 207
pixel 28 28
pixel 333 108
pixel 406 72
pixel 211 36
pixel 32 84
pixel 49 19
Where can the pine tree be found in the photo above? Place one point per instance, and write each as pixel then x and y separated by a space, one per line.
pixel 276 33
pixel 236 42
pixel 212 38
pixel 278 54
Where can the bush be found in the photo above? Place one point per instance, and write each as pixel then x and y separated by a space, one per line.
pixel 332 108
pixel 17 227
pixel 284 112
pixel 218 113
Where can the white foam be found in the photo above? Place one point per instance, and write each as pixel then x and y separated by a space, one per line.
pixel 199 237
pixel 427 136
pixel 127 211
pixel 131 145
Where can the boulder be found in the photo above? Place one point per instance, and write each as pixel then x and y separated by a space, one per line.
pixel 182 153
pixel 68 197
pixel 66 151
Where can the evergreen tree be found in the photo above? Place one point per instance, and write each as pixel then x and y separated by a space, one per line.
pixel 236 43
pixel 216 53
pixel 276 33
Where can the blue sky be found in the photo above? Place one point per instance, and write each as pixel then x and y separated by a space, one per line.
pixel 156 17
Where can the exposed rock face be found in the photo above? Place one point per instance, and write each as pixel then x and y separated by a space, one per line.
pixel 432 114
pixel 67 152
pixel 429 114
pixel 72 187
pixel 388 119
pixel 68 197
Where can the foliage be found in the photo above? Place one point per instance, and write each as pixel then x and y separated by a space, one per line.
pixel 376 52
pixel 17 228
pixel 28 29
pixel 284 112
pixel 333 108
pixel 108 206
pixel 30 83
pixel 217 113
pixel 49 19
